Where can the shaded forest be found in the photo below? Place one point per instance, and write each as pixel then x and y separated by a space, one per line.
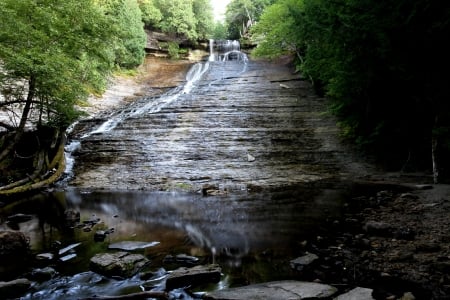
pixel 384 67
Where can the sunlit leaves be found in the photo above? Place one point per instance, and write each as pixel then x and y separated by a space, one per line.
pixel 63 45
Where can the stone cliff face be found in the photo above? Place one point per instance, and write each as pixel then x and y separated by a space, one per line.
pixel 157 43
pixel 243 126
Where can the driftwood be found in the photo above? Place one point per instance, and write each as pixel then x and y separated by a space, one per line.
pixel 142 295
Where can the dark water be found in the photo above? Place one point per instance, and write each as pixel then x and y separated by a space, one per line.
pixel 252 236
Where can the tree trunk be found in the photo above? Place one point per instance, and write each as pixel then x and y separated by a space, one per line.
pixel 435 158
pixel 23 120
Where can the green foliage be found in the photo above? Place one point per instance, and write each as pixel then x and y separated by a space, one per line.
pixel 204 15
pixel 151 15
pixel 219 32
pixel 178 18
pixel 126 17
pixel 242 14
pixel 279 29
pixel 384 65
pixel 173 49
pixel 58 51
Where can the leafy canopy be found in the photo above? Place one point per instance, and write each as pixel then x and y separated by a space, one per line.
pixel 61 47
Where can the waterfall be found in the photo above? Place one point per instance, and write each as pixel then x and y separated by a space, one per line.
pixel 223 50
pixel 154 105
pixel 212 56
pixel 151 105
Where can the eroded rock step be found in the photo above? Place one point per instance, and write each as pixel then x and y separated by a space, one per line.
pixel 258 126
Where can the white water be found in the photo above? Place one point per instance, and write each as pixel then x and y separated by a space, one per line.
pixel 154 105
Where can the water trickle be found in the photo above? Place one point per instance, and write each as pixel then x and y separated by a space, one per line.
pixel 150 105
pixel 153 105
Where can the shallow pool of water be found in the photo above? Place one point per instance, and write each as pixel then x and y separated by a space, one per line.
pixel 251 236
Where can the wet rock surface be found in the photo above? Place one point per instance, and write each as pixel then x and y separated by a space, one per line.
pixel 237 128
pixel 188 277
pixel 295 290
pixel 120 264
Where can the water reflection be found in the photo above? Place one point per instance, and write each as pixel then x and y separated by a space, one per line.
pixel 228 225
pixel 236 231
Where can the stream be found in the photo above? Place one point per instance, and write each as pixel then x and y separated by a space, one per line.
pixel 237 166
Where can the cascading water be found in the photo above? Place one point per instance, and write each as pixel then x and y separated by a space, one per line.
pixel 152 105
pixel 224 50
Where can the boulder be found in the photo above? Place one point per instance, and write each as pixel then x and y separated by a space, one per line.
pixel 43 274
pixel 121 264
pixel 13 243
pixel 358 293
pixel 14 288
pixel 289 289
pixel 182 277
pixel 301 262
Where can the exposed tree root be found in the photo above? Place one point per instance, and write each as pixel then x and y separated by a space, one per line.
pixel 39 180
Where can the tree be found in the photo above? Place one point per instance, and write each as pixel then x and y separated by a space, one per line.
pixel 279 30
pixel 52 54
pixel 383 66
pixel 220 31
pixel 242 14
pixel 126 17
pixel 178 18
pixel 151 15
pixel 204 15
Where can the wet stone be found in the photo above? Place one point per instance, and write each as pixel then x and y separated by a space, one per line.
pixel 301 262
pixel 183 277
pixel 19 218
pixel 378 228
pixel 43 274
pixel 14 288
pixel 295 290
pixel 181 259
pixel 13 243
pixel 120 264
pixel 132 245
pixel 358 293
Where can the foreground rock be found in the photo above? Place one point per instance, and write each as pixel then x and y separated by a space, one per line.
pixel 14 288
pixel 13 243
pixel 193 276
pixel 121 264
pixel 358 293
pixel 293 290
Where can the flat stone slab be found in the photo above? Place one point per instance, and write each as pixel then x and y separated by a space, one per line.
pixel 358 293
pixel 14 288
pixel 276 290
pixel 121 264
pixel 182 277
pixel 132 245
